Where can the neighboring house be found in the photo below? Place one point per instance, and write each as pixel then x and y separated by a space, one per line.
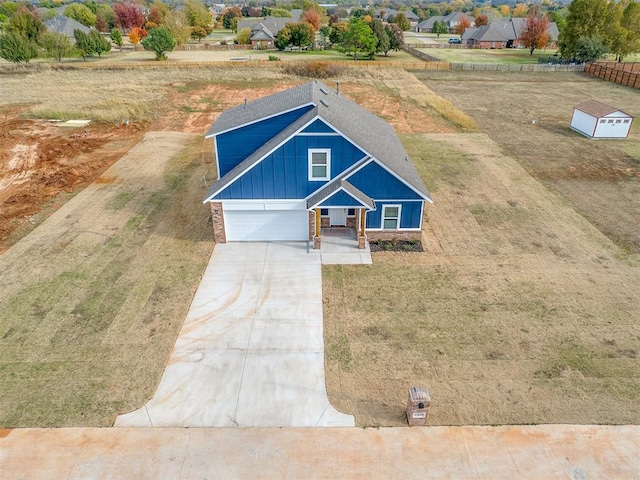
pixel 66 26
pixel 503 33
pixel 269 26
pixel 217 9
pixel 451 21
pixel 385 13
pixel 306 158
pixel 261 37
pixel 598 120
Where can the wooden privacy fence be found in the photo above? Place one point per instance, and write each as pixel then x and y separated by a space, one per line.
pixel 622 73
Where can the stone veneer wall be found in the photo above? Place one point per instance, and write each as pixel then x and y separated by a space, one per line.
pixel 217 215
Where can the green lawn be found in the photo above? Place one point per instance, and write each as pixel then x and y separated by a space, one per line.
pixel 508 56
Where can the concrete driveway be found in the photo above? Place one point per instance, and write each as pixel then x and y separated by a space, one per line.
pixel 251 351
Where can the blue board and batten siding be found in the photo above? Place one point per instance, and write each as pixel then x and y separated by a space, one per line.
pixel 234 146
pixel 341 199
pixel 410 214
pixel 378 183
pixel 318 126
pixel 385 188
pixel 284 174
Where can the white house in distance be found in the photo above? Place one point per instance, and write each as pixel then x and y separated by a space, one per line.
pixel 598 120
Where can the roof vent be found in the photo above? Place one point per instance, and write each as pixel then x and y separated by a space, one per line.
pixel 324 103
pixel 324 91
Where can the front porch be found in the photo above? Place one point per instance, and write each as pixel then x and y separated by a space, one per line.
pixel 339 245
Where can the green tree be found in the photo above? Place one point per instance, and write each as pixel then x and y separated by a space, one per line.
pixel 338 32
pixel 197 14
pixel 299 34
pixel 396 36
pixel 81 13
pixel 588 49
pixel 631 24
pixel 439 28
pixel 160 41
pixel 116 37
pixel 26 23
pixel 244 36
pixel 402 22
pixel 229 15
pixel 99 44
pixel 283 38
pixel 586 19
pixel 198 33
pixel 384 45
pixel 84 43
pixel 17 48
pixel 177 25
pixel 280 12
pixel 56 45
pixel 325 31
pixel 359 38
pixel 623 28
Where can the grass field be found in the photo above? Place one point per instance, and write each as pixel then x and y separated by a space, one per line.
pixel 507 56
pixel 522 309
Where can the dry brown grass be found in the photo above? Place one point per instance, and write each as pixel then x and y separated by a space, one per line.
pixel 93 300
pixel 519 311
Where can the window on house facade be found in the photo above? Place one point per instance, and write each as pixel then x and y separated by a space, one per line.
pixel 619 120
pixel 324 212
pixel 391 217
pixel 626 120
pixel 602 120
pixel 351 212
pixel 610 121
pixel 319 164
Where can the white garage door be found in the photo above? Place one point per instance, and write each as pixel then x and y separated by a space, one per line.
pixel 266 225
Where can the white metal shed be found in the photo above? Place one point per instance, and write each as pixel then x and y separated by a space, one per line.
pixel 598 120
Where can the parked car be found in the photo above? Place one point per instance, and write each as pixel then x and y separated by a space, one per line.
pixel 455 41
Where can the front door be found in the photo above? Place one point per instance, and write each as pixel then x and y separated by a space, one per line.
pixel 338 217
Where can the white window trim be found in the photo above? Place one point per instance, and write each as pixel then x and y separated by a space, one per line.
pixel 311 151
pixel 382 217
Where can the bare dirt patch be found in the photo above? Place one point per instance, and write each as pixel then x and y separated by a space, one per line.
pixel 38 160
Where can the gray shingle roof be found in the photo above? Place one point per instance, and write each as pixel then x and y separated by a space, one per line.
pixel 65 25
pixel 274 24
pixel 332 187
pixel 368 131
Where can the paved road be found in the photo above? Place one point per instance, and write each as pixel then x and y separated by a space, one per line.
pixel 545 452
pixel 251 350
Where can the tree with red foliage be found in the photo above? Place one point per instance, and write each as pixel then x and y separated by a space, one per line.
pixel 534 35
pixel 463 25
pixel 481 20
pixel 128 16
pixel 312 18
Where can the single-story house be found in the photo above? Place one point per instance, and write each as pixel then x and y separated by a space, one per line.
pixel 306 158
pixel 264 32
pixel 451 21
pixel 598 120
pixel 66 26
pixel 503 33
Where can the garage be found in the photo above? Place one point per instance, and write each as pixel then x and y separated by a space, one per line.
pixel 266 225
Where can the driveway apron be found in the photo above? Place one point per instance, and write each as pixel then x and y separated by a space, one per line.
pixel 251 351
